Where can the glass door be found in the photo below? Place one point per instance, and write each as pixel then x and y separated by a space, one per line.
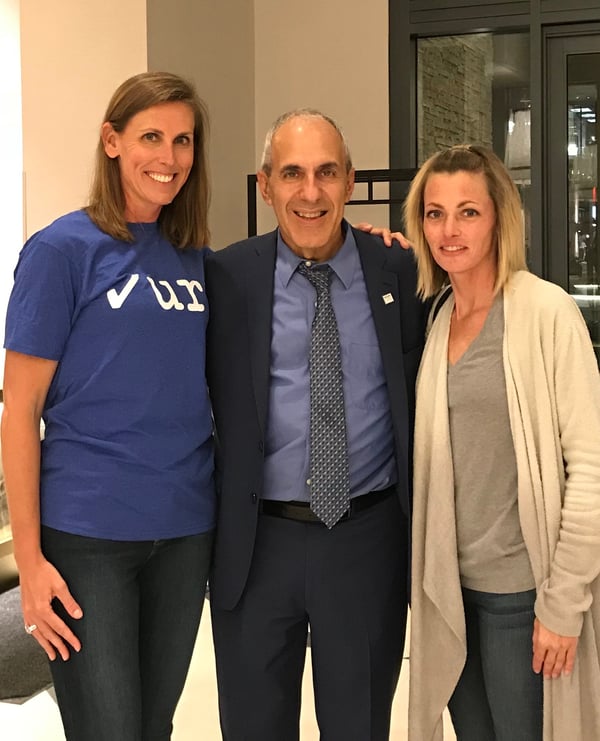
pixel 572 95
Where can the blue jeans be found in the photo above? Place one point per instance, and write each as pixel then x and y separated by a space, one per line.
pixel 142 602
pixel 498 696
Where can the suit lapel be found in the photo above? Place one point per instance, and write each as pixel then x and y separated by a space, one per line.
pixel 259 294
pixel 382 289
pixel 383 292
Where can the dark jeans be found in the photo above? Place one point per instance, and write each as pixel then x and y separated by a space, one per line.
pixel 498 696
pixel 142 602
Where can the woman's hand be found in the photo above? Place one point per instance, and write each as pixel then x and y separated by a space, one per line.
pixel 387 236
pixel 40 584
pixel 553 654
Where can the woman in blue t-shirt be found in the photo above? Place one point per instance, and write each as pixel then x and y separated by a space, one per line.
pixel 113 512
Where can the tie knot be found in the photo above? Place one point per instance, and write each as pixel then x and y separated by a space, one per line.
pixel 318 275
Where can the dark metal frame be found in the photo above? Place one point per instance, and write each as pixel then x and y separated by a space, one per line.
pixel 559 43
pixel 413 19
pixel 399 180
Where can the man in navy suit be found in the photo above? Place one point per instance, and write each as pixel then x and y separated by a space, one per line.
pixel 278 568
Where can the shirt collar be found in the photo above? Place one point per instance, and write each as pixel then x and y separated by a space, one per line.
pixel 344 263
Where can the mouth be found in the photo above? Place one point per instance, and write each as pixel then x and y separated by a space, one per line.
pixel 452 248
pixel 310 215
pixel 160 177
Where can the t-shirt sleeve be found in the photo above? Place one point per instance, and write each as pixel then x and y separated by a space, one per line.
pixel 42 302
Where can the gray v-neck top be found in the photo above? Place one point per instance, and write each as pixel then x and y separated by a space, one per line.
pixel 491 551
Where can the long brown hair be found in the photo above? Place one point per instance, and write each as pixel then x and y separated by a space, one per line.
pixel 184 222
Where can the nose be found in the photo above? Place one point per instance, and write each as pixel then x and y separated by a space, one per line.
pixel 167 153
pixel 451 226
pixel 310 188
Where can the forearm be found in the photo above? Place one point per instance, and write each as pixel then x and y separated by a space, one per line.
pixel 21 462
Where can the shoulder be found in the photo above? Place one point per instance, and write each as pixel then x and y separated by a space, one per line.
pixel 68 226
pixel 66 235
pixel 394 258
pixel 226 271
pixel 526 291
pixel 538 311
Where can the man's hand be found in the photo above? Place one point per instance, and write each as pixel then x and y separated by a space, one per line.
pixel 387 236
pixel 553 654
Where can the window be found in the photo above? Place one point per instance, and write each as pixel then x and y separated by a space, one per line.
pixel 472 89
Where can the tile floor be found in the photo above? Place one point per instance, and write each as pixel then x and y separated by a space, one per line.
pixel 196 718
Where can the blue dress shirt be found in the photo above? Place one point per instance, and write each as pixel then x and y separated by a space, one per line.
pixel 368 417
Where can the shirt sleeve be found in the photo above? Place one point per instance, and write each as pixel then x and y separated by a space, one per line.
pixel 566 594
pixel 42 302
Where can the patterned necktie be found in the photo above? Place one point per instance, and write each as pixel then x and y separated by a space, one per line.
pixel 329 477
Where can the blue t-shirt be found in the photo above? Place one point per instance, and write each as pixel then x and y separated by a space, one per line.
pixel 127 453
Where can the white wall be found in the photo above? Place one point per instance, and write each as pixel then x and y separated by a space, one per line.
pixel 74 54
pixel 250 59
pixel 11 190
pixel 212 43
pixel 331 55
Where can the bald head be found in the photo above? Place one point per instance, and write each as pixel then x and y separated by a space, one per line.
pixel 266 162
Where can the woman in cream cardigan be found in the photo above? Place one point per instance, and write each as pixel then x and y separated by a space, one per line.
pixel 506 525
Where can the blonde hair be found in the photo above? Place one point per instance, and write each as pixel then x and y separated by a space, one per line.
pixel 184 222
pixel 510 245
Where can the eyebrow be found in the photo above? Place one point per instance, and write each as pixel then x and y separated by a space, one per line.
pixel 156 130
pixel 462 204
pixel 298 168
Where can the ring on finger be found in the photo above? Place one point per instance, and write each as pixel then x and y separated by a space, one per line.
pixel 30 628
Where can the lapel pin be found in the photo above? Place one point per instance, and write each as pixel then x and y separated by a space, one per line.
pixel 388 298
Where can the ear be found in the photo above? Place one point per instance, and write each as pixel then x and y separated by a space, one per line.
pixel 110 140
pixel 350 185
pixel 263 186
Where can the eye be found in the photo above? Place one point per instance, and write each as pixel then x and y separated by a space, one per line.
pixel 150 136
pixel 329 172
pixel 434 213
pixel 183 139
pixel 471 212
pixel 289 174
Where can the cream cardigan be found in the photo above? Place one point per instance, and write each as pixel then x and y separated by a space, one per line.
pixel 553 390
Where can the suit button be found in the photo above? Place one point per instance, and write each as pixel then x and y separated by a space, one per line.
pixel 254 497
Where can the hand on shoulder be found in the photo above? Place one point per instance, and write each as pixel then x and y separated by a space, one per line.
pixel 388 236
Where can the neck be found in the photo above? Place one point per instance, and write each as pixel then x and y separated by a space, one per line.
pixel 472 294
pixel 318 256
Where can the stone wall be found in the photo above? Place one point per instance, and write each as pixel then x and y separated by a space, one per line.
pixel 454 94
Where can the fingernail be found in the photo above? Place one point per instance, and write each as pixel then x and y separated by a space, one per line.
pixel 77 613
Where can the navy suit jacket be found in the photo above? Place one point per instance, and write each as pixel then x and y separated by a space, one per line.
pixel 239 283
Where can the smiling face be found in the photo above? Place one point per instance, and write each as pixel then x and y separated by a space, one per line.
pixel 308 186
pixel 459 223
pixel 156 154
